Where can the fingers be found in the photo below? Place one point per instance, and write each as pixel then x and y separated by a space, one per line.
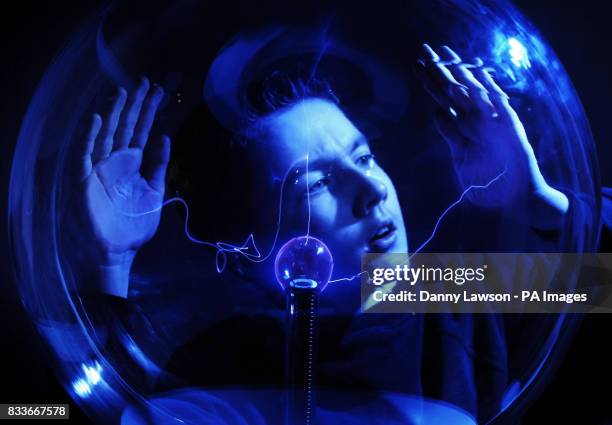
pixel 87 147
pixel 155 162
pixel 477 91
pixel 436 63
pixel 466 88
pixel 129 117
pixel 127 123
pixel 463 74
pixel 498 97
pixel 448 55
pixel 430 54
pixel 440 82
pixel 147 115
pixel 104 142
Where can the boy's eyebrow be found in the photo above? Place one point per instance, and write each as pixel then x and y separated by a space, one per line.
pixel 300 169
pixel 360 141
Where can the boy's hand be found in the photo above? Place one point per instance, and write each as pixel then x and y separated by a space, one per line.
pixel 486 137
pixel 121 186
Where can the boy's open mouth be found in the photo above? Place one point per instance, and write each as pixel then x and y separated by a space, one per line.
pixel 383 237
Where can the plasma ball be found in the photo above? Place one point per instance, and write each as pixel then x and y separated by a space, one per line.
pixel 304 262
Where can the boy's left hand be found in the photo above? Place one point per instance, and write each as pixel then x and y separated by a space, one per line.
pixel 486 136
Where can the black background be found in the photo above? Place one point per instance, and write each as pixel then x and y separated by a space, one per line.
pixel 31 33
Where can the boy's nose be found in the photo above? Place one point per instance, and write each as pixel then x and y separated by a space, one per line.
pixel 372 191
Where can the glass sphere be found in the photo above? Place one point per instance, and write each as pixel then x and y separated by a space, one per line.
pixel 304 262
pixel 184 322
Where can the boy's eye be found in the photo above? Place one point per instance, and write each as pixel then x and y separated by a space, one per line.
pixel 319 185
pixel 366 160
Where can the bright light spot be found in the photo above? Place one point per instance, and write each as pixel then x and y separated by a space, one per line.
pixel 320 250
pixel 92 374
pixel 518 54
pixel 83 386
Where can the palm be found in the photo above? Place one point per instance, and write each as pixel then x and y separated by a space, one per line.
pixel 484 148
pixel 123 208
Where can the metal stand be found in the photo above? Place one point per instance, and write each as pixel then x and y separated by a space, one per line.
pixel 302 305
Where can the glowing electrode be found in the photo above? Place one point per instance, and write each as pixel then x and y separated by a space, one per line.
pixel 303 267
pixel 304 262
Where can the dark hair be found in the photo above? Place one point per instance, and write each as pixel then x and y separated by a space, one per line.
pixel 277 91
pixel 211 167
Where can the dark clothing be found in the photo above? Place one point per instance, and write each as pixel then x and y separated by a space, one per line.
pixel 466 360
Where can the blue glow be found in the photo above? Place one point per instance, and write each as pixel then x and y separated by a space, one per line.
pixel 308 197
pixel 92 375
pixel 304 283
pixel 73 84
pixel 518 53
pixel 450 207
pixel 81 388
pixel 139 356
pixel 306 262
pixel 513 56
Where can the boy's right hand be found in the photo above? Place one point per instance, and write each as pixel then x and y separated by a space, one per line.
pixel 121 180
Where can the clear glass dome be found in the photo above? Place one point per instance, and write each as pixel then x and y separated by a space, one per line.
pixel 198 335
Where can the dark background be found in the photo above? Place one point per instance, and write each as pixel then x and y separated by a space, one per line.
pixel 31 33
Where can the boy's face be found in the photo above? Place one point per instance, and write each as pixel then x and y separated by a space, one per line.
pixel 353 204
